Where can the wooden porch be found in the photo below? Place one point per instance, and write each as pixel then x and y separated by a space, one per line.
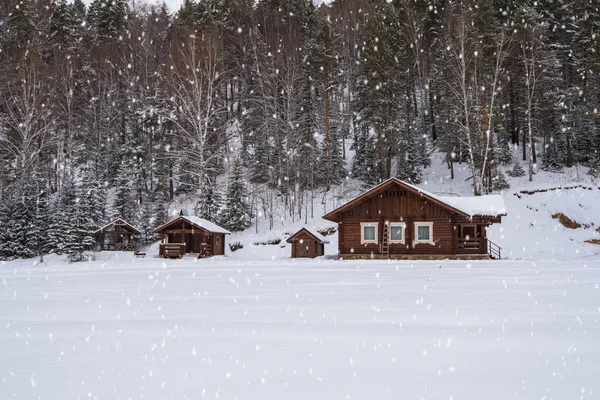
pixel 178 250
pixel 117 236
pixel 185 235
pixel 479 246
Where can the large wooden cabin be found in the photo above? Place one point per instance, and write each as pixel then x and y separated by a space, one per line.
pixel 190 234
pixel 398 220
pixel 118 235
pixel 307 243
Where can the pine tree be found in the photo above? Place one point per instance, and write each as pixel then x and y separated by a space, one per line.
pixel 89 210
pixel 40 226
pixel 61 233
pixel 21 228
pixel 108 17
pixel 209 201
pixel 499 181
pixel 124 204
pixel 6 252
pixel 334 168
pixel 237 214
pixel 517 171
pixel 146 222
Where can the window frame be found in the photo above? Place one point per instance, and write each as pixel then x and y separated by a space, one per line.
pixel 428 241
pixel 362 232
pixel 395 225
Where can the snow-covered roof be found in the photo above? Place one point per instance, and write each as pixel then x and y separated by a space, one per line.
pixel 203 223
pixel 121 222
pixel 197 222
pixel 313 232
pixel 490 205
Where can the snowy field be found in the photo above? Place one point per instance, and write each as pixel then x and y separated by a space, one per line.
pixel 228 328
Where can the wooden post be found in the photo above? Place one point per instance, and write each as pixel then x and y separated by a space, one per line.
pixel 182 232
pixel 409 236
pixel 454 235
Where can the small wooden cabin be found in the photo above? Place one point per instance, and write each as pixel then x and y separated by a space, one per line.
pixel 117 236
pixel 190 234
pixel 398 220
pixel 307 243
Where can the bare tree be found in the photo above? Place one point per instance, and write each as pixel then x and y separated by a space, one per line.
pixel 194 78
pixel 531 56
pixel 29 119
pixel 462 50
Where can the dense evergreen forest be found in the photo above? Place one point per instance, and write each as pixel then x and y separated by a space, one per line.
pixel 114 109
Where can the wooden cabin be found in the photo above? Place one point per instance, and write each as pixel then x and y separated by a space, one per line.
pixel 117 236
pixel 307 243
pixel 190 234
pixel 401 221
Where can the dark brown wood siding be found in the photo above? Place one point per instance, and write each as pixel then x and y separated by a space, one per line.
pixel 397 204
pixel 218 244
pixel 195 238
pixel 305 246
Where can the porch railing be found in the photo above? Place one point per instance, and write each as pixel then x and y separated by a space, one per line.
pixel 494 250
pixel 480 246
pixel 172 250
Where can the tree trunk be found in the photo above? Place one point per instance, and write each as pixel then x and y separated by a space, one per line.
pixel 513 116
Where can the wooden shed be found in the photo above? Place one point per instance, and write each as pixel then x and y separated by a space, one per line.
pixel 307 243
pixel 398 220
pixel 118 235
pixel 190 234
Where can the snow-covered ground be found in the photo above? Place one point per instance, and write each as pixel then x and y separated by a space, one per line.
pixel 232 328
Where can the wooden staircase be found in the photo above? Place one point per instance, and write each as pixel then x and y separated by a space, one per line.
pixel 385 240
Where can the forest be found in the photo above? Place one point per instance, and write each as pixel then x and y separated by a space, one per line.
pixel 116 108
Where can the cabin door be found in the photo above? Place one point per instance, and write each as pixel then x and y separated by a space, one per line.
pixel 303 249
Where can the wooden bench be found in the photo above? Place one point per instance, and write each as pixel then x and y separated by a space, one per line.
pixel 140 254
pixel 172 250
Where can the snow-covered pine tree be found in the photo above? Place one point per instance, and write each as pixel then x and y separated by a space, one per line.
pixel 358 161
pixel 517 171
pixel 146 222
pixel 209 201
pixel 21 226
pixel 370 174
pixel 108 18
pixel 92 196
pixel 409 158
pixel 259 162
pixel 6 251
pixel 124 203
pixel 237 214
pixel 61 235
pixel 89 210
pixel 336 167
pixel 499 181
pixel 40 226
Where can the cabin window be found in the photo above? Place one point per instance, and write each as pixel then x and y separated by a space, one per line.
pixel 368 232
pixel 397 232
pixel 424 232
pixel 218 241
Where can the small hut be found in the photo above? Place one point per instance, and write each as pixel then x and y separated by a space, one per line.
pixel 117 236
pixel 190 234
pixel 307 243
